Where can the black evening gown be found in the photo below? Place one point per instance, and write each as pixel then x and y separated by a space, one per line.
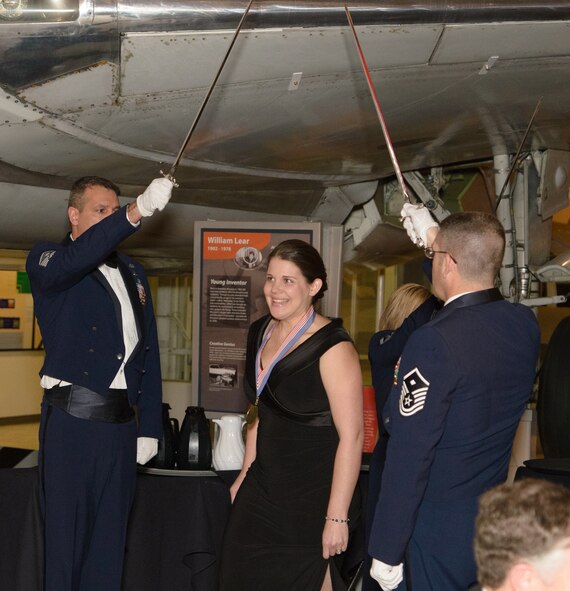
pixel 273 541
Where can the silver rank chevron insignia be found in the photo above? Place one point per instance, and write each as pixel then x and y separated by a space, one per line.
pixel 45 257
pixel 414 393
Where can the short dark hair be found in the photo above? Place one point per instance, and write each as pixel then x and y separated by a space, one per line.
pixel 304 256
pixel 79 186
pixel 476 240
pixel 522 521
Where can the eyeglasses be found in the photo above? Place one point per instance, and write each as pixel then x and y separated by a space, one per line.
pixel 430 253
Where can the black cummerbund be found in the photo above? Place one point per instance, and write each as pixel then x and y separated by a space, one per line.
pixel 83 403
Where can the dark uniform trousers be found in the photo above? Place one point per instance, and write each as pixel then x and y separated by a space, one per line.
pixel 88 477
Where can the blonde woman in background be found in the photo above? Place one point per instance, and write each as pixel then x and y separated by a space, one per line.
pixel 400 305
pixel 409 307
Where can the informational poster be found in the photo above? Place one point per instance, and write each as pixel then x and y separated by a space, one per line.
pixel 230 264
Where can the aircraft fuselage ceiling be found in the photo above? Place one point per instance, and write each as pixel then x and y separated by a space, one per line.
pixel 111 88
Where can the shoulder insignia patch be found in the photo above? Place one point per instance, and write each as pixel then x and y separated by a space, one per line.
pixel 45 257
pixel 414 393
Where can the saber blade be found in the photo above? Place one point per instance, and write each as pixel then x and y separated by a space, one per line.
pixel 170 174
pixel 376 102
pixel 516 158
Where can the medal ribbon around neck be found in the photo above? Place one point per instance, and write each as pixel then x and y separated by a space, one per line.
pixel 262 375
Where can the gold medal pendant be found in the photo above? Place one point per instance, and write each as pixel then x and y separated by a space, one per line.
pixel 251 414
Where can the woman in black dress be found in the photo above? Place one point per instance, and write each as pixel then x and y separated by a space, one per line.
pixel 293 501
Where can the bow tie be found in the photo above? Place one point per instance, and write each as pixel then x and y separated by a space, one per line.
pixel 112 260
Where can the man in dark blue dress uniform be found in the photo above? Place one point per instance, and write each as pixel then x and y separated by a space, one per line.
pixel 460 388
pixel 101 369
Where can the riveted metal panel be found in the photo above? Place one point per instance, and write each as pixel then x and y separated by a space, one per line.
pixel 508 41
pixel 162 62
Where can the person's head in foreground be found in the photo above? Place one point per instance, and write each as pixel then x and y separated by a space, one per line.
pixel 522 539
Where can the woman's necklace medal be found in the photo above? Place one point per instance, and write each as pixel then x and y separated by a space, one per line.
pixel 262 375
pixel 251 414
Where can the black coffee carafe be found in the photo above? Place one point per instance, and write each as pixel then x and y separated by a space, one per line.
pixel 194 443
pixel 166 456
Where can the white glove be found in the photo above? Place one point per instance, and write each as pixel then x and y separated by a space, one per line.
pixel 388 577
pixel 147 448
pixel 417 221
pixel 155 196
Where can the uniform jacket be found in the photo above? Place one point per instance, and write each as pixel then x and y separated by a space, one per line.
pixel 462 385
pixel 80 317
pixel 386 346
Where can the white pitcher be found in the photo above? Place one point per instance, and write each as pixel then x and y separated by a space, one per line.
pixel 229 447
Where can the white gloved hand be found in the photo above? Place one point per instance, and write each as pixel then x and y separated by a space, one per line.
pixel 417 221
pixel 155 196
pixel 147 448
pixel 387 576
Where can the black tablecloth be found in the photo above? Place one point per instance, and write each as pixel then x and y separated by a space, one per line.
pixel 173 541
pixel 21 541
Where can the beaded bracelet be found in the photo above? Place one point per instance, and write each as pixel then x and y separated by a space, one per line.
pixel 336 520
